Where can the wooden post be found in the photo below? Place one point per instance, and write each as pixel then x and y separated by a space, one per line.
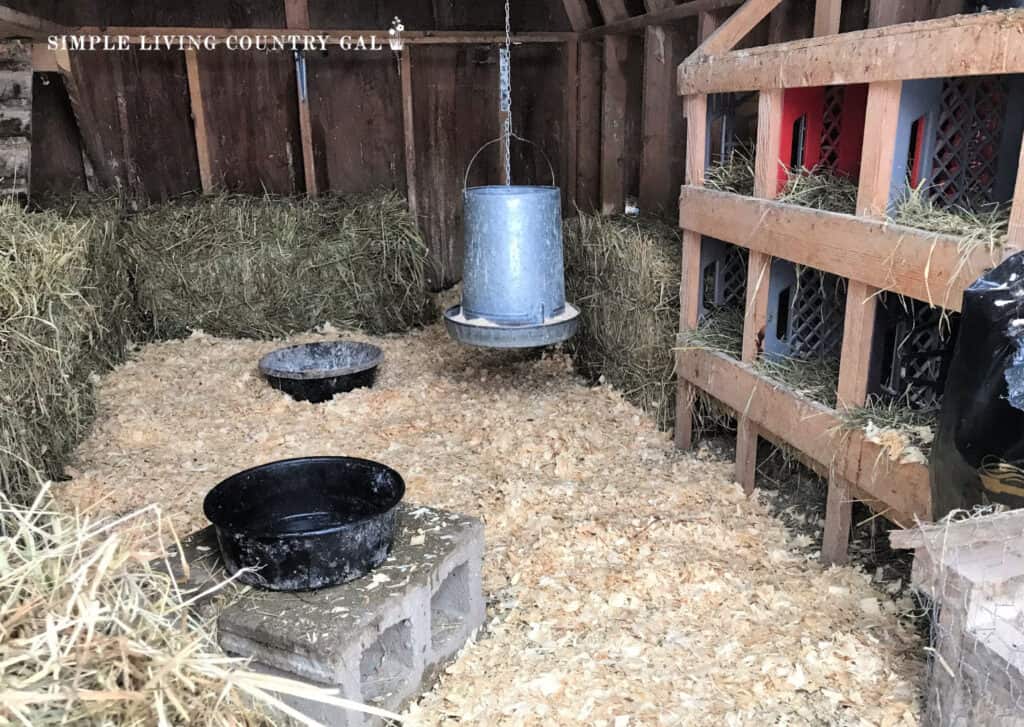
pixel 613 111
pixel 296 14
pixel 409 131
pixel 588 140
pixel 662 49
pixel 827 14
pixel 882 115
pixel 695 108
pixel 1015 236
pixel 195 94
pixel 741 22
pixel 766 185
pixel 572 65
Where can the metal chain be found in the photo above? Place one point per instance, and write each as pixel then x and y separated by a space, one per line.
pixel 505 73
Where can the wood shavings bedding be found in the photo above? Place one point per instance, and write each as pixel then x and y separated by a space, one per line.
pixel 628 584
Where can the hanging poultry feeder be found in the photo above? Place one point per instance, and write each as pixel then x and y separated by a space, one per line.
pixel 513 276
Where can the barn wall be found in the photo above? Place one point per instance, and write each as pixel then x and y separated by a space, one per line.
pixel 15 117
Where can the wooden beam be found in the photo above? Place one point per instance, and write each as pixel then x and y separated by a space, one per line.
pixel 572 120
pixel 195 94
pixel 613 10
pixel 16 24
pixel 663 17
pixel 409 130
pixel 578 14
pixel 332 36
pixel 900 491
pixel 733 30
pixel 1015 237
pixel 911 262
pixel 827 14
pixel 695 108
pixel 985 43
pixel 296 13
pixel 44 60
pixel 613 125
pixel 588 140
pixel 306 127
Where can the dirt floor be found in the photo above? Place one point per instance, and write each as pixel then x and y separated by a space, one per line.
pixel 627 584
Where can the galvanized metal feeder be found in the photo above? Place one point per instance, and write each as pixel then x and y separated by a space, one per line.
pixel 513 276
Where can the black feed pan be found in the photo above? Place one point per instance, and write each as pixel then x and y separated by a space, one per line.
pixel 315 372
pixel 306 523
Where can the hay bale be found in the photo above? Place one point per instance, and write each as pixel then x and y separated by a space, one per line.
pixel 242 266
pixel 66 312
pixel 624 275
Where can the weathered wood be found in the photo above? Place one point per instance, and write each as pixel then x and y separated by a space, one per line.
pixel 981 44
pixel 296 13
pixel 333 36
pixel 16 24
pixel 695 109
pixel 538 113
pixel 904 260
pixel 613 124
pixel 454 97
pixel 58 171
pixel 571 121
pixel 663 17
pixel 255 139
pixel 588 140
pixel 900 491
pixel 409 133
pixel 195 93
pixel 663 154
pixel 738 25
pixel 1015 236
pixel 835 544
pixel 578 14
pixel 43 59
pixel 357 124
pixel 309 171
pixel 827 14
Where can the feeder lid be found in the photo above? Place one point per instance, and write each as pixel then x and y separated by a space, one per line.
pixel 489 334
pixel 322 360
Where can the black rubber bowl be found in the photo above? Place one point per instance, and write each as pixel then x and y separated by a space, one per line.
pixel 306 523
pixel 315 372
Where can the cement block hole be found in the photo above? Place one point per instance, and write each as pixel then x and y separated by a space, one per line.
pixel 449 608
pixel 387 664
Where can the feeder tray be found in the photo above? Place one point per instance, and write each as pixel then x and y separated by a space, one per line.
pixel 315 372
pixel 479 331
pixel 308 523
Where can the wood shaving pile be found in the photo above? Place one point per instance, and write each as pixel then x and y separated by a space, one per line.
pixel 627 583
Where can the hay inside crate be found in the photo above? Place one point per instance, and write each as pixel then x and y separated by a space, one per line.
pixel 623 273
pixel 593 522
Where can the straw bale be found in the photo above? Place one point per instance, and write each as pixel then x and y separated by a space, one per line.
pixel 624 274
pixel 627 583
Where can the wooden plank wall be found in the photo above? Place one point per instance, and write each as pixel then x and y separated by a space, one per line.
pixel 60 170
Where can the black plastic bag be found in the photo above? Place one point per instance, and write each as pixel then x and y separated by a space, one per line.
pixel 978 454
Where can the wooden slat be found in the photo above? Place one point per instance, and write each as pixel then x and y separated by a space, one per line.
pixel 664 17
pixel 588 139
pixel 332 36
pixel 199 120
pixel 408 124
pixel 572 99
pixel 827 14
pixel 1016 233
pixel 736 27
pixel 963 45
pixel 900 491
pixel 695 109
pixel 613 125
pixel 578 14
pixel 907 261
pixel 16 24
pixel 296 13
pixel 306 129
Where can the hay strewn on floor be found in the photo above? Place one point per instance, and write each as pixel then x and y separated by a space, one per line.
pixel 244 266
pixel 94 633
pixel 623 273
pixel 66 311
pixel 77 286
pixel 624 580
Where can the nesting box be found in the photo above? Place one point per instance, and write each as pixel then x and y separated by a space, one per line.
pixel 960 138
pixel 822 126
pixel 723 269
pixel 806 311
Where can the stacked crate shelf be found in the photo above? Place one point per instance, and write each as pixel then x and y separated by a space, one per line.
pixel 875 256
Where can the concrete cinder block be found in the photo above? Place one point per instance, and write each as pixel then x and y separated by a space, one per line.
pixel 380 640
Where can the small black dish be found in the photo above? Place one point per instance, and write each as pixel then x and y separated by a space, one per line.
pixel 306 523
pixel 315 372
